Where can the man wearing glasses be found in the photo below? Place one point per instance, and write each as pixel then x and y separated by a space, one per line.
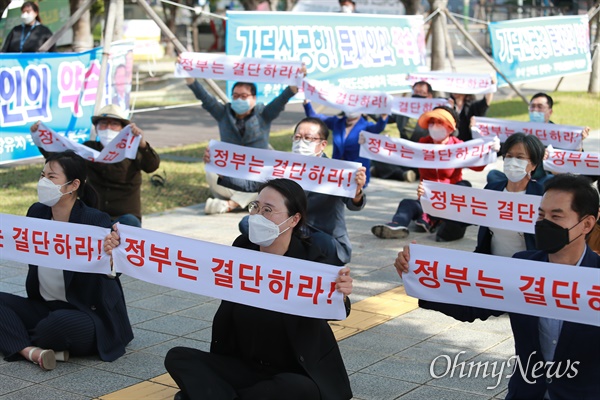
pixel 244 122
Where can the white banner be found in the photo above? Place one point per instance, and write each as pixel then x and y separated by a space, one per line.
pixel 413 107
pixel 347 100
pixel 575 162
pixel 53 244
pixel 562 136
pixel 254 278
pixel 511 211
pixel 563 292
pixel 124 145
pixel 239 69
pixel 473 153
pixel 315 174
pixel 451 82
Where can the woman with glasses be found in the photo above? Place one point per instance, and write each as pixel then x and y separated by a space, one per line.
pixel 262 354
pixel 522 155
pixel 65 312
pixel 119 184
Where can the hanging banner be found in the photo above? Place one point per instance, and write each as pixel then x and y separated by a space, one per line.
pixel 284 284
pixel 574 162
pixel 353 51
pixel 451 82
pixel 537 48
pixel 542 289
pixel 566 137
pixel 315 174
pixel 413 107
pixel 473 153
pixel 504 210
pixel 349 101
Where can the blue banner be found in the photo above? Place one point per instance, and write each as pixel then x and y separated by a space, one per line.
pixel 539 48
pixel 355 51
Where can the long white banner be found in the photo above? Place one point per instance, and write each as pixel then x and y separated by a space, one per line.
pixel 473 153
pixel 511 211
pixel 124 145
pixel 347 100
pixel 413 107
pixel 315 174
pixel 575 162
pixel 562 136
pixel 239 69
pixel 53 244
pixel 451 82
pixel 258 279
pixel 536 288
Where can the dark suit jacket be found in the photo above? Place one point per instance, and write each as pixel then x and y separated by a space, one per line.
pixel 311 340
pixel 484 236
pixel 97 295
pixel 577 343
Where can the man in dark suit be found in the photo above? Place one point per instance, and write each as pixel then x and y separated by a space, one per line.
pixel 567 214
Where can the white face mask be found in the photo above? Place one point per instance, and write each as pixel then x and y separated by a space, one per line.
pixel 27 18
pixel 354 115
pixel 347 9
pixel 107 135
pixel 48 192
pixel 263 232
pixel 437 132
pixel 515 169
pixel 304 148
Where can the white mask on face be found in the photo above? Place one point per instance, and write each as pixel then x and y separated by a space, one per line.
pixel 48 192
pixel 353 115
pixel 304 148
pixel 106 136
pixel 347 9
pixel 263 232
pixel 27 18
pixel 515 169
pixel 437 132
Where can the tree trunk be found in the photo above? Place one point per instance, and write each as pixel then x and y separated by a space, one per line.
pixel 289 4
pixel 412 6
pixel 82 29
pixel 594 85
pixel 438 35
pixel 169 11
pixel 118 34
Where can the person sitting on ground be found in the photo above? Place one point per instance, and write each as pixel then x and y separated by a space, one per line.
pixel 567 214
pixel 467 106
pixel 256 353
pixel 346 133
pixel 244 122
pixel 65 312
pixel 409 129
pixel 441 123
pixel 119 184
pixel 326 219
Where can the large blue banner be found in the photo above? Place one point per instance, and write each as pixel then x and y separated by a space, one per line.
pixel 355 51
pixel 539 48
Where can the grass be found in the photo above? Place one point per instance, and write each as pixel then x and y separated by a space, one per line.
pixel 185 182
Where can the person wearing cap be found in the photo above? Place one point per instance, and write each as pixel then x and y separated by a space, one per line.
pixel 441 124
pixel 347 6
pixel 118 185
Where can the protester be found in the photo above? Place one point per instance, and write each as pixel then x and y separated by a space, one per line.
pixel 261 354
pixel 467 107
pixel 346 133
pixel 568 212
pixel 441 123
pixel 409 130
pixel 244 122
pixel 119 184
pixel 522 155
pixel 65 312
pixel 30 35
pixel 326 219
pixel 347 6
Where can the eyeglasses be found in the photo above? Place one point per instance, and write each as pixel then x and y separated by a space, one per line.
pixel 266 211
pixel 306 139
pixel 113 123
pixel 242 96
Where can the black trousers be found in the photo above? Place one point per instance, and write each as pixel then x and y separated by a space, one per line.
pixel 55 325
pixel 203 375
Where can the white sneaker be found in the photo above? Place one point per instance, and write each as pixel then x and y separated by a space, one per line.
pixel 216 206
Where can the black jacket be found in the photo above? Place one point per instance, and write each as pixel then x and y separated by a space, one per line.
pixel 38 35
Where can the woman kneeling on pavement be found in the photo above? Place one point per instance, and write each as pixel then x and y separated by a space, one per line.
pixel 65 312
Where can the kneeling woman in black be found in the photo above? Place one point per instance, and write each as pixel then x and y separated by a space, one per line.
pixel 262 354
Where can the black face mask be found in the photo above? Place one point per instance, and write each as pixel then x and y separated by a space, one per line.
pixel 551 237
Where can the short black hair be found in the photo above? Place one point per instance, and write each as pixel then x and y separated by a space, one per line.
pixel 323 129
pixel 429 88
pixel 535 148
pixel 251 85
pixel 541 94
pixel 586 200
pixel 294 198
